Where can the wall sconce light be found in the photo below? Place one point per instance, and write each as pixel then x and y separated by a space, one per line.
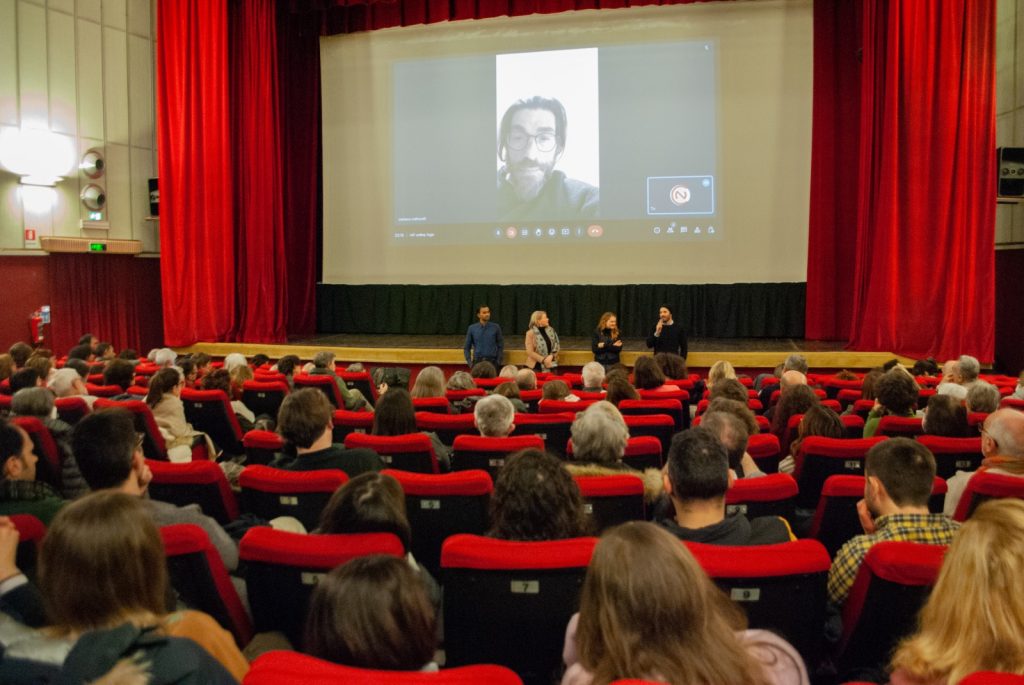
pixel 41 158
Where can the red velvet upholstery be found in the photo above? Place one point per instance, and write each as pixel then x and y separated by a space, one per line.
pixel 198 482
pixel 210 411
pixel 509 602
pixel 325 384
pixel 261 446
pixel 781 587
pixel 848 397
pixel 953 454
pixel 282 568
pixel 5 404
pixel 456 395
pixel 442 505
pixel 31 532
pixel 985 485
pixel 764 449
pixel 48 467
pixel 488 454
pixel 412 452
pixel 104 390
pixel 854 426
pixel 1011 403
pixel 993 678
pixel 291 668
pixel 491 383
pixel 153 445
pixel 71 409
pixel 611 500
pixel 348 422
pixel 661 405
pixel 198 575
pixel 361 381
pixel 447 426
pixel 553 429
pixel 899 426
pixel 264 397
pixel 562 406
pixel 770 495
pixel 863 407
pixel 437 405
pixel 659 426
pixel 269 492
pixel 818 458
pixel 892 585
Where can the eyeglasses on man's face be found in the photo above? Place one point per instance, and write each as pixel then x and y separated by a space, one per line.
pixel 545 142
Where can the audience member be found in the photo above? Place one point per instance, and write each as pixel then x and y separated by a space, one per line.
pixel 983 398
pixel 593 377
pixel 202 362
pixel 82 368
pixel 90 340
pixel 672 365
pixel 460 380
pixel 484 369
pixel 103 578
pixel 508 371
pixel 372 613
pixel 188 371
pixel 1018 393
pixel 696 479
pixel 958 376
pixel 354 400
pixel 165 357
pixel 729 388
pixel 305 422
pixel 599 438
pixel 660 618
pixel 732 432
pixel 619 388
pixel 38 403
pixel 120 372
pixel 396 415
pixel 738 409
pixel 43 365
pixel 259 360
pixel 788 379
pixel 20 352
pixel 795 399
pixel 164 400
pixel 20 492
pixel 511 391
pixel 647 375
pixel 109 455
pixel 67 383
pixel 286 366
pixel 129 355
pixel 974 618
pixel 526 379
pixel 946 416
pixel 6 366
pixel 83 352
pixel 536 499
pixel 1002 446
pixel 104 351
pixel 493 416
pixel 558 390
pixel 898 475
pixel 720 371
pixel 867 386
pixel 25 378
pixel 897 396
pixel 220 379
pixel 429 383
pixel 818 421
pixel 925 367
pixel 236 359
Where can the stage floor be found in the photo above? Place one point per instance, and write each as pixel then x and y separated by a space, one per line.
pixel 748 353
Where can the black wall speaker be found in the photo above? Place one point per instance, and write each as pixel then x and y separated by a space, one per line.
pixel 1011 171
pixel 154 197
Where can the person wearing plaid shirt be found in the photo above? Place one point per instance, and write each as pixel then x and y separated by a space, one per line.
pixel 899 474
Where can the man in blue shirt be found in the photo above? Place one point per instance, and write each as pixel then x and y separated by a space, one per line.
pixel 483 340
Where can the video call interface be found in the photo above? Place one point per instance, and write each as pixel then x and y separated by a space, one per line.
pixel 610 143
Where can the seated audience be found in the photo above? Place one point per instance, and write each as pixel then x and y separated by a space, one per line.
pixel 983 398
pixel 483 369
pixel 659 618
pixel 6 366
pixel 1002 446
pixel 120 372
pixel 165 357
pixel 958 376
pixel 164 400
pixel 429 383
pixel 795 399
pixel 38 403
pixel 237 377
pixel 20 492
pixel 105 351
pixel 526 379
pixel 202 362
pixel 672 365
pixel 67 383
pixel 82 368
pixel 647 375
pixel 946 416
pixel 729 388
pixel 593 377
pixel 494 416
pixel 536 499
pixel 375 503
pixel 460 380
pixel 371 613
pixel 559 391
pixel 109 455
pixel 43 365
pixel 20 352
pixel 696 479
pixel 354 400
pixel 103 578
pixel 1018 393
pixel 974 618
pixel 396 415
pixel 619 388
pixel 25 378
pixel 305 423
pixel 738 409
pixel 508 371
pixel 897 396
pixel 899 475
pixel 188 371
pixel 925 367
pixel 789 379
pixel 220 379
pixel 732 432
pixel 817 421
pixel 234 360
pixel 720 371
pixel 511 391
pixel 793 371
pixel 868 383
pixel 83 352
pixel 599 438
pixel 259 360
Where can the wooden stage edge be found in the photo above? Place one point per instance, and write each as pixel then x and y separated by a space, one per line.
pixel 766 359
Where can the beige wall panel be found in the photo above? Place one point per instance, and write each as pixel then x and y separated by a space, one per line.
pixel 10 213
pixel 90 79
pixel 140 91
pixel 65 6
pixel 115 14
pixel 32 84
pixel 65 209
pixel 139 17
pixel 115 85
pixel 142 171
pixel 61 65
pixel 91 10
pixel 8 63
pixel 119 198
pixel 1004 223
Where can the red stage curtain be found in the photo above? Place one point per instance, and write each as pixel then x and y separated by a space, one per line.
pixel 197 245
pixel 260 261
pixel 917 253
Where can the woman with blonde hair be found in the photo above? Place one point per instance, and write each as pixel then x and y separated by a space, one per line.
pixel 719 371
pixel 606 343
pixel 659 617
pixel 974 618
pixel 429 383
pixel 541 342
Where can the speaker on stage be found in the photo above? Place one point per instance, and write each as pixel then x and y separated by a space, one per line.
pixel 1011 171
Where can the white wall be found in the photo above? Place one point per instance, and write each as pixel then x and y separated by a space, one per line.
pixel 1010 108
pixel 84 69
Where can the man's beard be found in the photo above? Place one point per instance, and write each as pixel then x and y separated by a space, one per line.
pixel 528 178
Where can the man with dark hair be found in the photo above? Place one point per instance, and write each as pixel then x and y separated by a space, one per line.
pixel 898 479
pixel 483 340
pixel 25 378
pixel 83 352
pixel 668 336
pixel 20 352
pixel 530 142
pixel 696 480
pixel 305 422
pixel 20 492
pixel 286 365
pixel 105 351
pixel 109 455
pixel 89 340
pixel 120 372
pixel 896 394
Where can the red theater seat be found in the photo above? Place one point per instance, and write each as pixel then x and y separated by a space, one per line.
pixel 361 381
pixel 993 678
pixel 447 426
pixel 658 426
pixel 269 492
pixel 153 445
pixel 291 668
pixel 667 406
pixel 1011 403
pixel 198 482
pixel 325 384
pixel 282 568
pixel 45 447
pixel 818 458
pixel 764 449
pixel 892 585
pixel 264 397
pixel 985 485
pixel 563 406
pixel 437 405
pixel 347 422
pixel 456 395
pixel 106 390
pixel 210 411
pixel 488 454
pixel 953 454
pixel 491 383
pixel 30 535
pixel 71 409
pixel 412 452
pixel 198 576
pixel 611 500
pixel 509 602
pixel 553 429
pixel 770 495
pixel 899 426
pixel 261 447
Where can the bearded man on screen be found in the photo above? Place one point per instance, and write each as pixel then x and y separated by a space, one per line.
pixel 530 143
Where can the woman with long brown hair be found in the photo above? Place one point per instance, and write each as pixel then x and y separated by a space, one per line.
pixel 606 342
pixel 648 611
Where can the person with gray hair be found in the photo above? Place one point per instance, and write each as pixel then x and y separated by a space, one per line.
pixel 526 379
pixel 67 383
pixel 461 380
pixel 593 377
pixel 1002 446
pixel 352 399
pixel 983 397
pixel 599 439
pixel 165 357
pixel 795 362
pixel 733 434
pixel 967 369
pixel 959 376
pixel 39 403
pixel 494 416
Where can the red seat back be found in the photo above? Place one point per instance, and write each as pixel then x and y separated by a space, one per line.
pixel 770 495
pixel 292 668
pixel 264 396
pixel 563 406
pixel 658 426
pixel 663 405
pixel 438 405
pixel 818 458
pixel 412 452
pixel 899 426
pixel 348 422
pixel 210 411
pixel 985 485
pixel 488 454
pixel 71 409
pixel 447 426
pixel 199 482
pixel 270 492
pixel 553 429
pixel 325 384
pixel 953 454
pixel 611 500
pixel 261 447
pixel 153 445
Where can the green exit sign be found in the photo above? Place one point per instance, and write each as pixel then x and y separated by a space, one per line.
pixel 95 216
pixel 97 247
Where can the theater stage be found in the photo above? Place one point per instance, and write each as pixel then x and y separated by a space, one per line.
pixel 446 350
